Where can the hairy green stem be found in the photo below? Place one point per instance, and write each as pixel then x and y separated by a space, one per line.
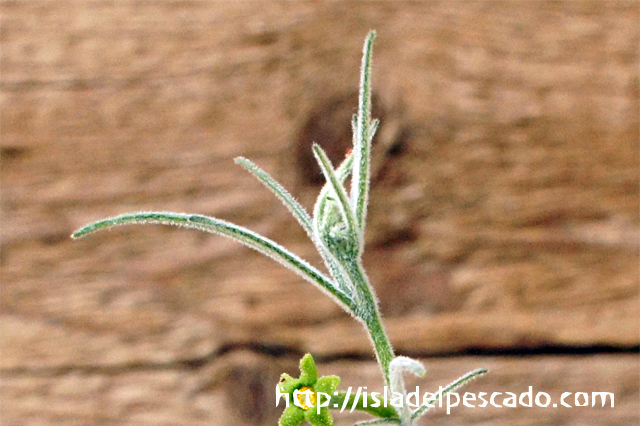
pixel 368 312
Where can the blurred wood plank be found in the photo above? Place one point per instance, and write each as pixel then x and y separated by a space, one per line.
pixel 504 209
pixel 239 388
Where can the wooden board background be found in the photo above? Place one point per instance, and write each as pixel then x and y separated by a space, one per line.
pixel 504 215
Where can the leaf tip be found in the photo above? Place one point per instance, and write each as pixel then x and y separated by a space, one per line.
pixel 78 233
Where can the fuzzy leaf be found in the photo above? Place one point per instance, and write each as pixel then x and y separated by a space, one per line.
pixel 449 388
pixel 283 195
pixel 362 147
pixel 336 187
pixel 242 235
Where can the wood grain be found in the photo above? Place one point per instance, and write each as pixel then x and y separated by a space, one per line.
pixel 504 209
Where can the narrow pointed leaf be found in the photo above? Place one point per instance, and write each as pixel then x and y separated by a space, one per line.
pixel 336 187
pixel 362 147
pixel 294 207
pixel 342 173
pixel 449 388
pixel 283 195
pixel 242 235
pixel 334 267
